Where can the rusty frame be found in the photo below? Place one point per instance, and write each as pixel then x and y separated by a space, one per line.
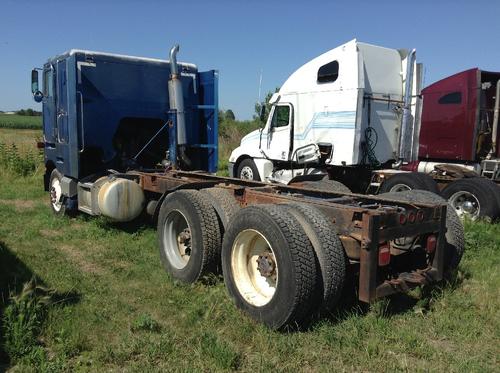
pixel 362 222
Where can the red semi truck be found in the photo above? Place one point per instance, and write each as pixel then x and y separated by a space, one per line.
pixel 459 140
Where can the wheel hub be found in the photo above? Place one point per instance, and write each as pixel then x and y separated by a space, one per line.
pixel 246 173
pixel 53 195
pixel 266 265
pixel 185 239
pixel 468 207
pixel 465 203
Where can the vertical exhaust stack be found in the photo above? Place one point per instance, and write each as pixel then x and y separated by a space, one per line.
pixel 406 121
pixel 176 97
pixel 494 132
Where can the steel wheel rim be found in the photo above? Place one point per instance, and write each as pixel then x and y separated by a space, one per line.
pixel 465 204
pixel 55 194
pixel 177 239
pixel 400 188
pixel 246 173
pixel 255 288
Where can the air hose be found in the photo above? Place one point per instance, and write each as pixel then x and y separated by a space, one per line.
pixel 368 148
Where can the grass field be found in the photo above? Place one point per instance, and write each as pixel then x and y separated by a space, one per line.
pixel 112 307
pixel 20 121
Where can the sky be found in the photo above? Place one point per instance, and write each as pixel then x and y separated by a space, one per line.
pixel 243 39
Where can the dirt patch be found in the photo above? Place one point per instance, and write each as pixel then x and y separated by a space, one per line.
pixel 49 233
pixel 19 204
pixel 75 255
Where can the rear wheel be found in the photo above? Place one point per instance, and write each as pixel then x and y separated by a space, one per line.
pixel 401 182
pixel 189 235
pixel 455 239
pixel 330 255
pixel 247 170
pixel 269 266
pixel 224 203
pixel 474 197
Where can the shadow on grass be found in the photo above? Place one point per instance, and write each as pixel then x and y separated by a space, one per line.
pixel 139 224
pixel 14 275
pixel 418 300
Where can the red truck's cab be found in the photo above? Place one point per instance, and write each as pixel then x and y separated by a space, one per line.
pixel 457 117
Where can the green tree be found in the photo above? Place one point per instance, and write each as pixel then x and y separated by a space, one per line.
pixel 258 106
pixel 229 115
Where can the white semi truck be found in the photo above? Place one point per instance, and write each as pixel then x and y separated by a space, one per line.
pixel 348 119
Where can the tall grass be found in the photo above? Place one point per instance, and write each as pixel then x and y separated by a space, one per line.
pixel 19 163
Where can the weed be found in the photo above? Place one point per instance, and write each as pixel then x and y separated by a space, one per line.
pixel 145 322
pixel 23 318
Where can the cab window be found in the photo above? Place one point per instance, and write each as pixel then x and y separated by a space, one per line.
pixel 451 98
pixel 328 73
pixel 48 83
pixel 281 116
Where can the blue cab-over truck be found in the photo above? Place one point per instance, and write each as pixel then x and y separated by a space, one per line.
pixel 126 137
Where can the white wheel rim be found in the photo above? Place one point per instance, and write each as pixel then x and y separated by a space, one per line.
pixel 400 188
pixel 55 194
pixel 177 239
pixel 255 288
pixel 246 173
pixel 465 204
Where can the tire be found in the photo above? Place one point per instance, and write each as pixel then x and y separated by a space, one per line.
pixel 455 239
pixel 409 181
pixel 57 200
pixel 331 258
pixel 191 210
pixel 247 170
pixel 281 297
pixel 474 197
pixel 224 203
pixel 326 185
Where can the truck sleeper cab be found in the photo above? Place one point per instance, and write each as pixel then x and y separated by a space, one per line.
pixel 343 109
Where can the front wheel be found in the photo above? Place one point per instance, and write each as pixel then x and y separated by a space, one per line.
pixel 247 170
pixel 57 200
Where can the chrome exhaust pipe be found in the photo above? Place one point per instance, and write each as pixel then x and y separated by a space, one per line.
pixel 176 97
pixel 406 121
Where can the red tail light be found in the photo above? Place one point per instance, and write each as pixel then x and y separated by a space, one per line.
pixel 420 215
pixel 411 217
pixel 431 244
pixel 384 255
pixel 402 219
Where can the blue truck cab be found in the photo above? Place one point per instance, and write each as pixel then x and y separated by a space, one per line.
pixel 106 111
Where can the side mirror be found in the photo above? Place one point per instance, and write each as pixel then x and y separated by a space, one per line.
pixel 34 81
pixel 37 95
pixel 262 114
